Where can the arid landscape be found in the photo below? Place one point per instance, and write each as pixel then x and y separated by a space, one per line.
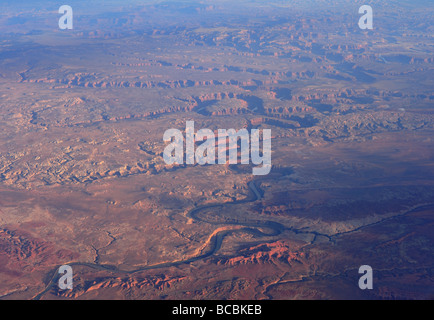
pixel 82 176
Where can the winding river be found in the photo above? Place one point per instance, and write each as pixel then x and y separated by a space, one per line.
pixel 214 243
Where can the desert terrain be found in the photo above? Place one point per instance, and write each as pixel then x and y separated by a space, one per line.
pixel 82 176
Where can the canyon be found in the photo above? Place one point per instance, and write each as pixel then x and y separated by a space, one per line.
pixel 83 180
